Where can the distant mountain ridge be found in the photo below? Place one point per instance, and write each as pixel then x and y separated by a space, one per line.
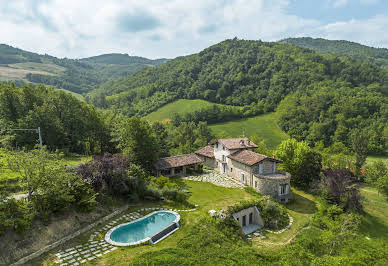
pixel 355 50
pixel 122 59
pixel 76 75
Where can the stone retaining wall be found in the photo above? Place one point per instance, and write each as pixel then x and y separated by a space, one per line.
pixel 69 237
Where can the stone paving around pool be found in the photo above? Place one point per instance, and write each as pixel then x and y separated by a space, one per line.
pixel 216 179
pixel 96 248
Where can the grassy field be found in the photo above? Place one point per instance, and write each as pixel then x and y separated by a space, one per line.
pixel 375 220
pixel 181 106
pixel 263 126
pixel 51 68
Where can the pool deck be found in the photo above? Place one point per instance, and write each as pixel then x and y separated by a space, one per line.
pixel 147 239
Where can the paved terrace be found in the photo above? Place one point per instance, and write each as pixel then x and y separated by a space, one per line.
pixel 216 179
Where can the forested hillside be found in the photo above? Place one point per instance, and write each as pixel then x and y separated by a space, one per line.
pixel 66 122
pixel 78 76
pixel 377 56
pixel 261 75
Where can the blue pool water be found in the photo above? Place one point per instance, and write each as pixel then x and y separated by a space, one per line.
pixel 142 229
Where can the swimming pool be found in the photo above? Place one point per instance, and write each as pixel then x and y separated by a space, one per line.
pixel 152 227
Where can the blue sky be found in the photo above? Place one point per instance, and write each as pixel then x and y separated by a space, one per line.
pixel 170 28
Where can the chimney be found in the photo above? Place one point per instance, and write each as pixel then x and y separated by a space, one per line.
pixel 249 142
pixel 241 142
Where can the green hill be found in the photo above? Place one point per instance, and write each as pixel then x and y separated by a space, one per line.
pixel 263 126
pixel 79 76
pixel 377 56
pixel 122 59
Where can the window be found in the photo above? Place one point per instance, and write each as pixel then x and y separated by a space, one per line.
pixel 260 168
pixel 223 147
pixel 231 169
pixel 255 183
pixel 223 158
pixel 242 177
pixel 216 145
pixel 282 189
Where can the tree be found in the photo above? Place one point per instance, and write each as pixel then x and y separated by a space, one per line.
pixel 360 147
pixel 161 135
pixel 262 148
pixel 382 184
pixel 375 170
pixel 310 170
pixel 300 161
pixel 31 166
pixel 342 189
pixel 137 140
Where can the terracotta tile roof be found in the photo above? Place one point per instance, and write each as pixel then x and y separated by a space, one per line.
pixel 177 161
pixel 207 151
pixel 250 158
pixel 237 143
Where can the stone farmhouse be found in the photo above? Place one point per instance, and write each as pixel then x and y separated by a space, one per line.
pixel 235 158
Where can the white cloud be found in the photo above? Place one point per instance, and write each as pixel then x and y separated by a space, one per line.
pixel 159 28
pixel 370 32
pixel 339 3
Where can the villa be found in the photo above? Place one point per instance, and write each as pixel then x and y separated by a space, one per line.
pixel 235 158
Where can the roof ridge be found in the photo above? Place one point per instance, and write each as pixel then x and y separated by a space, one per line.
pixel 179 155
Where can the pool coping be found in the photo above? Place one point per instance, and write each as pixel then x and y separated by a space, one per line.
pixel 110 241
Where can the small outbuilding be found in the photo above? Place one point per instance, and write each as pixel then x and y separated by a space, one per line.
pixel 176 165
pixel 249 219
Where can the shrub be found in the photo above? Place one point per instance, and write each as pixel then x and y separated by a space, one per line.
pixel 16 215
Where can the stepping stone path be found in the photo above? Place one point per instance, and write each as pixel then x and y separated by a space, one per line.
pixel 284 229
pixel 216 179
pixel 96 248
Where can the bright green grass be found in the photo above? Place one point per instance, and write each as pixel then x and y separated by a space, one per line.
pixel 373 158
pixel 375 220
pixel 181 106
pixel 263 126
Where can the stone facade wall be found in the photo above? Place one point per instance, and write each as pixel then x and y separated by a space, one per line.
pixel 256 216
pixel 267 167
pixel 270 186
pixel 209 162
pixel 238 169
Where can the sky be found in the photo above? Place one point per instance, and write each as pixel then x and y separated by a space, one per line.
pixel 171 28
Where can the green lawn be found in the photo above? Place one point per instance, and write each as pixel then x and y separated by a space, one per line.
pixel 263 126
pixel 375 220
pixel 373 158
pixel 181 106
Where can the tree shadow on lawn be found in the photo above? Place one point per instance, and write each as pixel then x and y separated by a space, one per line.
pixel 301 204
pixel 180 182
pixel 373 226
